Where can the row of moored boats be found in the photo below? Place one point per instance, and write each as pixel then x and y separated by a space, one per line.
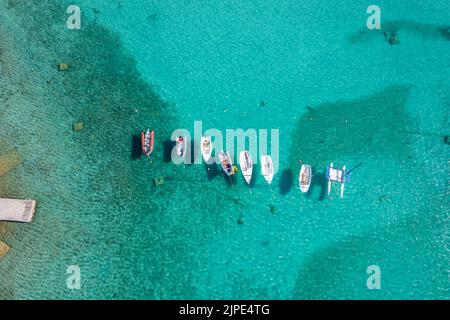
pixel 245 161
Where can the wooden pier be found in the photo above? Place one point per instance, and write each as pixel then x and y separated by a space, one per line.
pixel 17 210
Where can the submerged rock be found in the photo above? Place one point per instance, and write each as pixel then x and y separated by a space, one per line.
pixel 63 67
pixel 78 126
pixel 158 181
pixel 241 220
pixel 393 39
pixel 446 140
pixel 445 31
pixel 4 248
pixel 9 161
pixel 272 209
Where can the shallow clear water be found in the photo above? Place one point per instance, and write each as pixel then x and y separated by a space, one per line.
pixel 335 90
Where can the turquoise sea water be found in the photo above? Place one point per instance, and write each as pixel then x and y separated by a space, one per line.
pixel 335 90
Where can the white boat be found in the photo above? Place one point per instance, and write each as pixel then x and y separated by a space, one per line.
pixel 225 162
pixel 336 175
pixel 181 146
pixel 206 148
pixel 245 161
pixel 147 142
pixel 304 178
pixel 267 168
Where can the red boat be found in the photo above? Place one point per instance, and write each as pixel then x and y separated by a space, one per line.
pixel 147 142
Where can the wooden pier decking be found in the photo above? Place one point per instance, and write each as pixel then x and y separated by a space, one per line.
pixel 17 210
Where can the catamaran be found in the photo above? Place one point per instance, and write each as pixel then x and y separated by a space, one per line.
pixel 181 146
pixel 336 175
pixel 245 161
pixel 206 148
pixel 267 168
pixel 225 162
pixel 147 142
pixel 305 176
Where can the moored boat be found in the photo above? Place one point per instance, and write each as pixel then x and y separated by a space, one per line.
pixel 304 178
pixel 267 168
pixel 181 146
pixel 246 164
pixel 206 148
pixel 147 142
pixel 336 175
pixel 225 162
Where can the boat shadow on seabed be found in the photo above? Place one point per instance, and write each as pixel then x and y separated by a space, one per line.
pixel 255 175
pixel 136 151
pixel 168 145
pixel 230 180
pixel 318 180
pixel 286 181
pixel 212 171
pixel 191 151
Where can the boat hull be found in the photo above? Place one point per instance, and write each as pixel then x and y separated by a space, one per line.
pixel 246 164
pixel 226 163
pixel 267 168
pixel 206 148
pixel 336 175
pixel 304 179
pixel 181 147
pixel 147 142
